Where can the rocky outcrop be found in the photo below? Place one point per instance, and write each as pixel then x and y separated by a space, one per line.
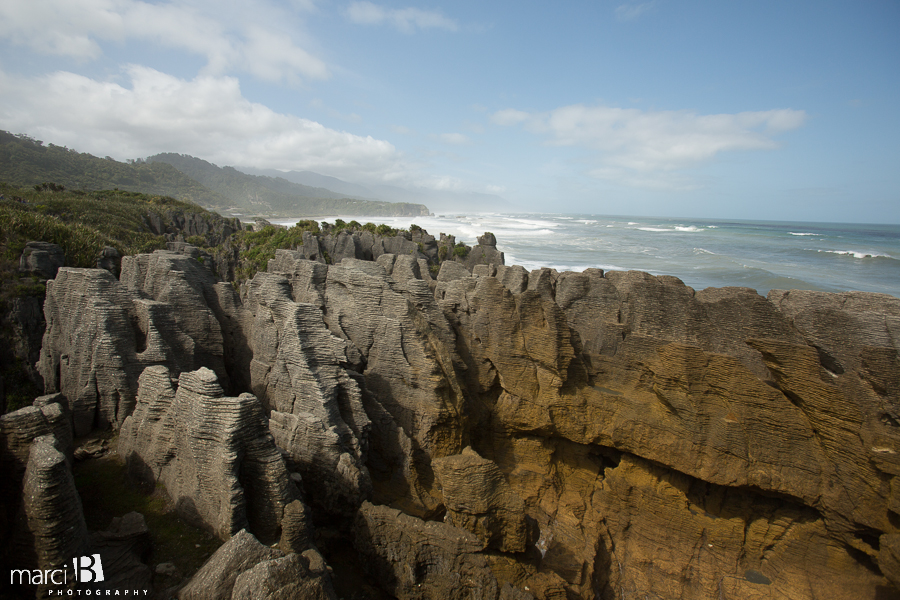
pixel 101 332
pixel 611 380
pixel 484 252
pixel 214 454
pixel 479 499
pixel 411 558
pixel 404 346
pixel 88 353
pixel 215 228
pixel 315 407
pixel 53 528
pixel 41 259
pixel 581 435
pixel 245 569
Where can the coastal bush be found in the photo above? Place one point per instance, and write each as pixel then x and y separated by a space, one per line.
pixel 461 250
pixel 257 247
pixel 82 223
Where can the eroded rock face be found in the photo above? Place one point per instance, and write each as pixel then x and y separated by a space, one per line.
pixel 395 334
pixel 243 568
pixel 583 434
pixel 88 353
pixel 418 559
pixel 41 259
pixel 479 499
pixel 720 389
pixel 51 507
pixel 214 454
pixel 316 409
pixel 101 332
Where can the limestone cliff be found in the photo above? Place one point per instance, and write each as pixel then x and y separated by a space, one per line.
pixel 579 435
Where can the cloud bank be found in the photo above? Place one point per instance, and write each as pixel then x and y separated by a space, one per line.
pixel 207 117
pixel 232 36
pixel 406 20
pixel 647 147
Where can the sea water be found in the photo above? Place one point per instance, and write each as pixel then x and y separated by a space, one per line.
pixel 762 255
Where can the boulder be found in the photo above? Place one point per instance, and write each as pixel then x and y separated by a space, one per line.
pixel 244 569
pixel 41 259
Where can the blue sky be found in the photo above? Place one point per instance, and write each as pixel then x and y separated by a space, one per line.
pixel 760 110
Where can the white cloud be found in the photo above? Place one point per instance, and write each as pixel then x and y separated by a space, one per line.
pixel 510 116
pixel 454 139
pixel 632 10
pixel 229 34
pixel 645 147
pixel 206 117
pixel 406 20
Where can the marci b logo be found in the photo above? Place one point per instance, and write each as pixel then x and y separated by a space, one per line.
pixel 88 569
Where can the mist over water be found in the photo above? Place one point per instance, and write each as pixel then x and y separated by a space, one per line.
pixel 762 255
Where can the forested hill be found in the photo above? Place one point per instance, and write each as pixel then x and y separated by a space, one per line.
pixel 278 196
pixel 25 161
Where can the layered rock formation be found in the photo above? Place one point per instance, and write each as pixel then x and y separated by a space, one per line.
pixel 167 309
pixel 214 454
pixel 245 569
pixel 580 435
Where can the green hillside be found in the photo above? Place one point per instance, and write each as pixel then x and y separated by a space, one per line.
pixel 276 196
pixel 25 161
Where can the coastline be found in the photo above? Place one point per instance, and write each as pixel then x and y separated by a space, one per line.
pixel 762 255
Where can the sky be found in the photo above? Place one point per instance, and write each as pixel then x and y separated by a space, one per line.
pixel 749 110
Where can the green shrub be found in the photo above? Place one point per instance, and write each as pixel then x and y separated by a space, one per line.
pixel 461 250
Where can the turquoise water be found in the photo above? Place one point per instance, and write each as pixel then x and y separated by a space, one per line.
pixel 762 255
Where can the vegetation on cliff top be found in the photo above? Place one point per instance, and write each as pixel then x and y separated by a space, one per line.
pixel 82 223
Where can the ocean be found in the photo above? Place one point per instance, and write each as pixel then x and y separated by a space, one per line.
pixel 762 255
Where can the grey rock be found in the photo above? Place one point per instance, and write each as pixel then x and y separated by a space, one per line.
pixel 56 530
pixel 110 259
pixel 88 352
pixel 167 569
pixel 216 578
pixel 317 416
pixel 214 454
pixel 41 259
pixel 488 239
pixel 122 548
pixel 411 558
pixel 451 271
pixel 479 499
pixel 296 533
pixel 514 278
pixel 285 578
